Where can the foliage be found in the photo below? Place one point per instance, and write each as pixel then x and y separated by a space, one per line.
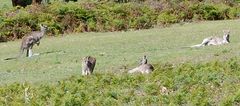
pixel 108 16
pixel 166 18
pixel 212 83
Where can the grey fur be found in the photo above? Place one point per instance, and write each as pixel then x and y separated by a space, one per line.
pixel 215 40
pixel 88 64
pixel 143 60
pixel 144 67
pixel 33 38
pixel 29 41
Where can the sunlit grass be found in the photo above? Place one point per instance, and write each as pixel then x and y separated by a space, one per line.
pixel 61 56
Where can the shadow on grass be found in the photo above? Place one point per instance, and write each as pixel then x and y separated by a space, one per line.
pixel 36 54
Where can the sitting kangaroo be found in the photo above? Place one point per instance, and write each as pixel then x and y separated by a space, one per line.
pixel 215 40
pixel 33 38
pixel 88 64
pixel 144 67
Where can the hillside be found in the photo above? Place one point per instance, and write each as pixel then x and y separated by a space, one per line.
pixel 61 57
pixel 200 76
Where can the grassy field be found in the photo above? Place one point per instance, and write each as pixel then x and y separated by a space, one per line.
pixel 5 3
pixel 183 76
pixel 60 57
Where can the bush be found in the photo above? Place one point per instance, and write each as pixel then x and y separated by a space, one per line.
pixel 211 83
pixel 101 17
pixel 166 17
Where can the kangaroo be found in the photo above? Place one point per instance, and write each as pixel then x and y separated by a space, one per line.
pixel 144 67
pixel 33 38
pixel 88 64
pixel 215 40
pixel 30 40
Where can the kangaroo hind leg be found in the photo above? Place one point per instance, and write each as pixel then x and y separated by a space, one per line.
pixel 29 53
pixel 206 41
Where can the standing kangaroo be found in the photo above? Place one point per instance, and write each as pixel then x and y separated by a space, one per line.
pixel 30 40
pixel 33 38
pixel 144 67
pixel 88 64
pixel 215 40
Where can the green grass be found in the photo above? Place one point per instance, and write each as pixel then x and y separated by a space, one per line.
pixel 212 83
pixel 201 76
pixel 116 50
pixel 5 3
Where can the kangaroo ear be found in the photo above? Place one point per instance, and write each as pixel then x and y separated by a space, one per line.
pixel 144 56
pixel 87 58
pixel 44 26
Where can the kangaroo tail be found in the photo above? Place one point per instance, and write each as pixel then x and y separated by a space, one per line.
pixel 10 58
pixel 185 47
pixel 19 55
pixel 194 46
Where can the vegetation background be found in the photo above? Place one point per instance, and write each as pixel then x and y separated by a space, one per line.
pixel 105 16
pixel 201 76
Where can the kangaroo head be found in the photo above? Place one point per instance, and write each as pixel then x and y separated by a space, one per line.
pixel 144 57
pixel 43 27
pixel 87 61
pixel 226 35
pixel 144 60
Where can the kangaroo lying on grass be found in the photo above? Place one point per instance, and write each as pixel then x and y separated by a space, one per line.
pixel 143 67
pixel 215 40
pixel 30 40
pixel 88 64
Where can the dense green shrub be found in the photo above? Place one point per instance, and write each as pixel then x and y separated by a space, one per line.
pixel 100 17
pixel 167 17
pixel 212 83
